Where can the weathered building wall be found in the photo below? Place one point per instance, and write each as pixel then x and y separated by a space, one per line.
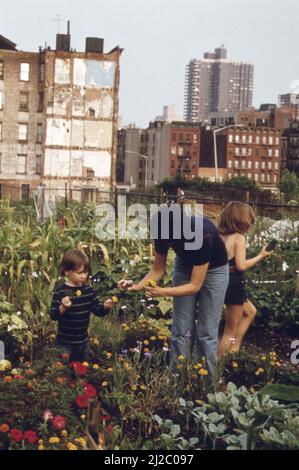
pixel 19 155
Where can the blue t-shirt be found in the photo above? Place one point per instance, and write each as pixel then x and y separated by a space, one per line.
pixel 212 251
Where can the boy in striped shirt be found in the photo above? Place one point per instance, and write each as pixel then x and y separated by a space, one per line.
pixel 72 304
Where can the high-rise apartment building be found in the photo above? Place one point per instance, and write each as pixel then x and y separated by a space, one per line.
pixel 216 84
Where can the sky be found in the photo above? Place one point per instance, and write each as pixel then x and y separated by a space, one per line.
pixel 159 37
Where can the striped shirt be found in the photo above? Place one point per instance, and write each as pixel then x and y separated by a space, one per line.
pixel 73 324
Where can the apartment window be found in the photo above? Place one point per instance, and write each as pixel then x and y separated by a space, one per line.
pixel 270 140
pixel 270 152
pixel 264 140
pixel 1 70
pixel 1 100
pixel 153 164
pixel 276 140
pixel 257 152
pixel 244 151
pixel 249 176
pixel 172 163
pixel 256 165
pixel 40 102
pixel 268 178
pixel 39 133
pixel 270 165
pixel 194 138
pixel 250 139
pixel 263 177
pixel 236 164
pixel 237 138
pixel 25 72
pixel 243 139
pixel 256 177
pixel 230 138
pixel 275 178
pixel 25 189
pixel 276 153
pixel 230 175
pixel 230 164
pixel 181 151
pixel 249 152
pixel 42 72
pixel 249 165
pixel 173 149
pixel 257 139
pixel 263 165
pixel 91 113
pixel 23 131
pixel 24 101
pixel 21 164
pixel 276 165
pixel 38 164
pixel 243 164
pixel 237 151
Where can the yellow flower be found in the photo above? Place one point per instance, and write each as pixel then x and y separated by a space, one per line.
pixel 114 299
pixel 71 446
pixel 110 369
pixel 83 417
pixel 146 350
pixel 146 342
pixel 86 364
pixel 235 365
pixel 108 355
pixel 96 341
pixel 272 363
pixel 40 442
pixel 81 441
pixel 41 447
pixel 263 358
pixel 96 366
pixel 181 358
pixel 203 372
pixel 64 433
pixel 54 440
pixel 150 282
pixel 143 387
pixel 166 345
pixel 259 371
pixel 199 402
pixel 180 366
pixel 133 388
pixel 78 293
pixel 104 384
pixel 277 364
pixel 153 338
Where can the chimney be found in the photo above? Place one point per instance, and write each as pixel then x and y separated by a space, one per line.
pixel 63 41
pixel 94 45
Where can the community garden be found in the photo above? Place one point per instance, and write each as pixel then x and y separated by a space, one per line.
pixel 44 399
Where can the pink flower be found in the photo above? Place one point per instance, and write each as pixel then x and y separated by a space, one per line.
pixel 31 437
pixel 48 416
pixel 59 422
pixel 16 435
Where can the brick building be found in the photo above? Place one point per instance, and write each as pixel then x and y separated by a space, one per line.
pixel 184 149
pixel 254 153
pixel 58 118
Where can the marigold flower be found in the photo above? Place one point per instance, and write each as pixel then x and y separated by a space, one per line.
pixel 71 446
pixel 108 355
pixel 86 364
pixel 40 442
pixel 96 367
pixel 54 440
pixel 58 365
pixel 235 365
pixel 181 358
pixel 203 372
pixel 4 428
pixel 264 358
pixel 96 341
pixel 104 384
pixel 114 299
pixel 133 388
pixel 110 369
pixel 153 338
pixel 8 379
pixel 41 447
pixel 146 350
pixel 64 433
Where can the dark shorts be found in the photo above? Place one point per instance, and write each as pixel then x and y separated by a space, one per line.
pixel 236 290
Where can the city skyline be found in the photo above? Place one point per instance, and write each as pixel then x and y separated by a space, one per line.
pixel 161 37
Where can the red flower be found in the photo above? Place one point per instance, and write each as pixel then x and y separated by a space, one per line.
pixel 104 418
pixel 65 356
pixel 31 437
pixel 109 428
pixel 79 368
pixel 16 435
pixel 82 401
pixel 89 391
pixel 59 422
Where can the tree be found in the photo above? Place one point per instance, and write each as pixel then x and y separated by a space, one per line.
pixel 289 185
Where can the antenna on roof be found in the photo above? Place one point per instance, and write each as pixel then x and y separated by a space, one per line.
pixel 58 21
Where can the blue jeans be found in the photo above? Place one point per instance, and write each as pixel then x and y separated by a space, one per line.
pixel 77 353
pixel 196 317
